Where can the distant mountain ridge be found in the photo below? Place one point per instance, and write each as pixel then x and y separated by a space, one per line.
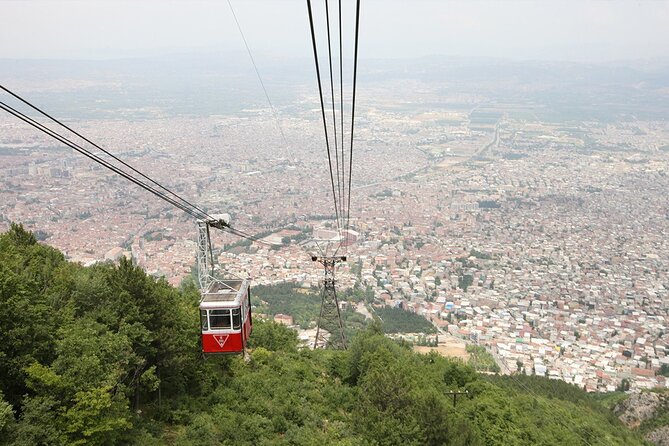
pixel 210 83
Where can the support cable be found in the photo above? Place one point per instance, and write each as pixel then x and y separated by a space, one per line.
pixel 325 127
pixel 42 112
pixel 334 115
pixel 262 84
pixel 355 77
pixel 190 210
pixel 548 401
pixel 53 134
pixel 341 111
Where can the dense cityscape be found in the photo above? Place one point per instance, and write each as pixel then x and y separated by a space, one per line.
pixel 334 223
pixel 543 240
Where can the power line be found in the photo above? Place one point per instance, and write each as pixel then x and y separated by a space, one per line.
pixel 39 110
pixel 262 84
pixel 355 78
pixel 253 238
pixel 53 134
pixel 325 127
pixel 334 115
pixel 187 208
pixel 341 111
pixel 528 390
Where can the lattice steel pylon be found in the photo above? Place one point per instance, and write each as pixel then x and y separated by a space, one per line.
pixel 205 256
pixel 329 320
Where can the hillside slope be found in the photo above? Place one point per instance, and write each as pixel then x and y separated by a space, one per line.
pixel 108 355
pixel 647 413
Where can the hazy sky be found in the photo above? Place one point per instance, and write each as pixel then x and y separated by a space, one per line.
pixel 577 30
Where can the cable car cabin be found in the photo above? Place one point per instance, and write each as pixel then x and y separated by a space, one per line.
pixel 225 316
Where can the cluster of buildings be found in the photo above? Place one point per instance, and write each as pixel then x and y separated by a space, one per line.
pixel 517 236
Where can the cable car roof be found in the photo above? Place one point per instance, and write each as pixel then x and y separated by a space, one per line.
pixel 224 294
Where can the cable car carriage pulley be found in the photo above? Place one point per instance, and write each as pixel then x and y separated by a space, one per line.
pixel 225 304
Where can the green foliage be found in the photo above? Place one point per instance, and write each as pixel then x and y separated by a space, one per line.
pixel 489 204
pixel 479 255
pixel 26 320
pixel 19 237
pixel 609 400
pixel 303 304
pixel 6 421
pixel 396 320
pixel 465 281
pixel 96 417
pixel 356 269
pixel 503 411
pixel 156 236
pixel 357 294
pixel 480 359
pixel 305 233
pixel 83 343
pixel 664 370
pixel 107 355
pixel 38 423
pixel 457 375
pixel 353 322
pixel 402 398
pixel 273 336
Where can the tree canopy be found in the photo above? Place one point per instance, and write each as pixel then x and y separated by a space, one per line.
pixel 106 355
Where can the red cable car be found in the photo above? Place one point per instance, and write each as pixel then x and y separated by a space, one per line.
pixel 225 316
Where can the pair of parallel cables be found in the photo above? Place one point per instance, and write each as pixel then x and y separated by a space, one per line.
pixel 130 173
pixel 341 192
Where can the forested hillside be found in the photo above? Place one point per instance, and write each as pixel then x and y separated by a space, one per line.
pixel 107 355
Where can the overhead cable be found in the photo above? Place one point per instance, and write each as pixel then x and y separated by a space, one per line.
pixel 340 181
pixel 262 84
pixel 183 205
pixel 325 128
pixel 355 77
pixel 55 135
pixel 341 112
pixel 39 110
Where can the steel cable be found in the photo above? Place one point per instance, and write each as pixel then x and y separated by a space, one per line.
pixel 325 127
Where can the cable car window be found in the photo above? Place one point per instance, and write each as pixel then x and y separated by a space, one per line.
pixel 219 319
pixel 203 319
pixel 236 319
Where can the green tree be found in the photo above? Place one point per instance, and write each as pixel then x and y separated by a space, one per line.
pixel 273 336
pixel 457 375
pixel 465 281
pixel 108 355
pixel 27 318
pixel 7 423
pixel 664 370
pixel 39 423
pixel 96 417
